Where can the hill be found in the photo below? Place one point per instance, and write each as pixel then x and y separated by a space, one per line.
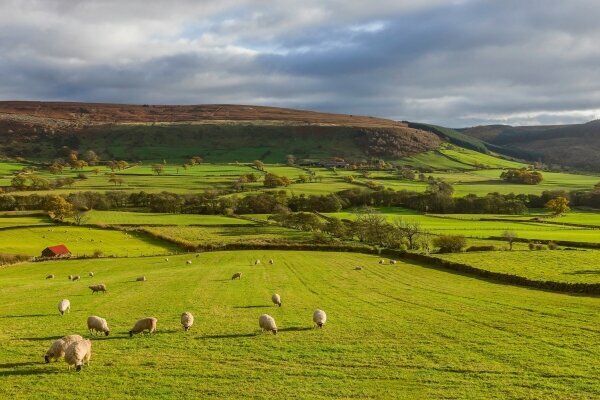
pixel 215 132
pixel 576 145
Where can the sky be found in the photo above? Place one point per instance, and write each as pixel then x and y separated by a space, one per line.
pixel 455 63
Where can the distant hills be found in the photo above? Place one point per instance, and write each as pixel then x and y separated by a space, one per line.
pixel 576 145
pixel 218 133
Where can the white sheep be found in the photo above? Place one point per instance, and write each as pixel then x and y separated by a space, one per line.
pixel 70 277
pixel 267 323
pixel 237 275
pixel 141 279
pixel 97 324
pixel 98 288
pixel 58 347
pixel 271 262
pixel 64 306
pixel 392 262
pixel 382 261
pixel 78 354
pixel 51 276
pixel 144 324
pixel 276 299
pixel 188 262
pixel 76 278
pixel 187 320
pixel 257 262
pixel 166 259
pixel 319 318
pixel 91 274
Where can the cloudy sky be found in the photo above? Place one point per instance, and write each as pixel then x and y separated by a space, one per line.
pixel 453 62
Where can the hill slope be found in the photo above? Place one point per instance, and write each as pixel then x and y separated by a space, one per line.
pixel 215 132
pixel 575 145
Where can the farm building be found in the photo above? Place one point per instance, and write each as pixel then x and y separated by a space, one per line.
pixel 56 251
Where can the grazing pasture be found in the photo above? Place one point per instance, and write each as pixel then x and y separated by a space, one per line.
pixel 578 266
pixel 81 241
pixel 403 331
pixel 146 218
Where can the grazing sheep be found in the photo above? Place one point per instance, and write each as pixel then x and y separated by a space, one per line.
pixel 382 261
pixel 141 279
pixel 267 323
pixel 58 347
pixel 76 278
pixel 392 262
pixel 358 269
pixel 64 306
pixel 319 318
pixel 187 320
pixel 97 324
pixel 188 262
pixel 51 276
pixel 91 274
pixel 166 259
pixel 101 287
pixel 276 299
pixel 256 262
pixel 78 354
pixel 143 324
pixel 237 275
pixel 70 277
pixel 271 262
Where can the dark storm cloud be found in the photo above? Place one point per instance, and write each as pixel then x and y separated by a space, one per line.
pixel 456 63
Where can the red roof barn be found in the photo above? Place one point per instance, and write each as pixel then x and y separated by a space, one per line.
pixel 56 251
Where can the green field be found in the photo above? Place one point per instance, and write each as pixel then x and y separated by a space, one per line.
pixel 581 266
pixel 393 332
pixel 145 218
pixel 8 221
pixel 80 241
pixel 225 235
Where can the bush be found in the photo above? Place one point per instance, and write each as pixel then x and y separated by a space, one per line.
pixel 98 253
pixel 450 243
pixel 540 246
pixel 552 246
pixel 481 248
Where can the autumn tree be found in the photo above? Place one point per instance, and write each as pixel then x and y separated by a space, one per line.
pixel 558 205
pixel 58 208
pixel 259 165
pixel 158 169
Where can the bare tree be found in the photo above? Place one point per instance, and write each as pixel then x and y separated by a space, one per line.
pixel 409 230
pixel 510 237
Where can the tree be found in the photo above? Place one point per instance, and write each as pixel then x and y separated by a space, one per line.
pixel 510 237
pixel 450 243
pixel 80 217
pixel 58 208
pixel 408 230
pixel 158 169
pixel 522 175
pixel 272 180
pixel 558 205
pixel 290 159
pixel 91 157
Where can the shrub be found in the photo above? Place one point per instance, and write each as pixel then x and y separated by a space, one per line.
pixel 450 243
pixel 552 246
pixel 531 246
pixel 98 253
pixel 540 246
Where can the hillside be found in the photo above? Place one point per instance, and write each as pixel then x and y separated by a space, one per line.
pixel 215 132
pixel 576 145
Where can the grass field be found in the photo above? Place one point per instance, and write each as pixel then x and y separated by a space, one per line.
pixel 582 266
pixel 145 218
pixel 224 235
pixel 25 220
pixel 80 241
pixel 393 332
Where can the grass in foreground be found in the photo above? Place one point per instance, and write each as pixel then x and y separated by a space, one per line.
pixel 400 331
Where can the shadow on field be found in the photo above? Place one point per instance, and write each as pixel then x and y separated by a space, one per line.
pixel 257 306
pixel 41 338
pixel 25 372
pixel 220 280
pixel 28 315
pixel 295 329
pixel 21 364
pixel 230 336
pixel 585 272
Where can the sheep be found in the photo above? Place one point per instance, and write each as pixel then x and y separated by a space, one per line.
pixel 257 262
pixel 359 268
pixel 97 324
pixel 267 323
pixel 187 320
pixel 166 259
pixel 237 275
pixel 64 306
pixel 392 262
pixel 76 278
pixel 70 277
pixel 319 318
pixel 101 287
pixel 143 324
pixel 188 262
pixel 91 274
pixel 382 261
pixel 78 354
pixel 276 299
pixel 58 347
pixel 271 262
pixel 51 276
pixel 141 279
